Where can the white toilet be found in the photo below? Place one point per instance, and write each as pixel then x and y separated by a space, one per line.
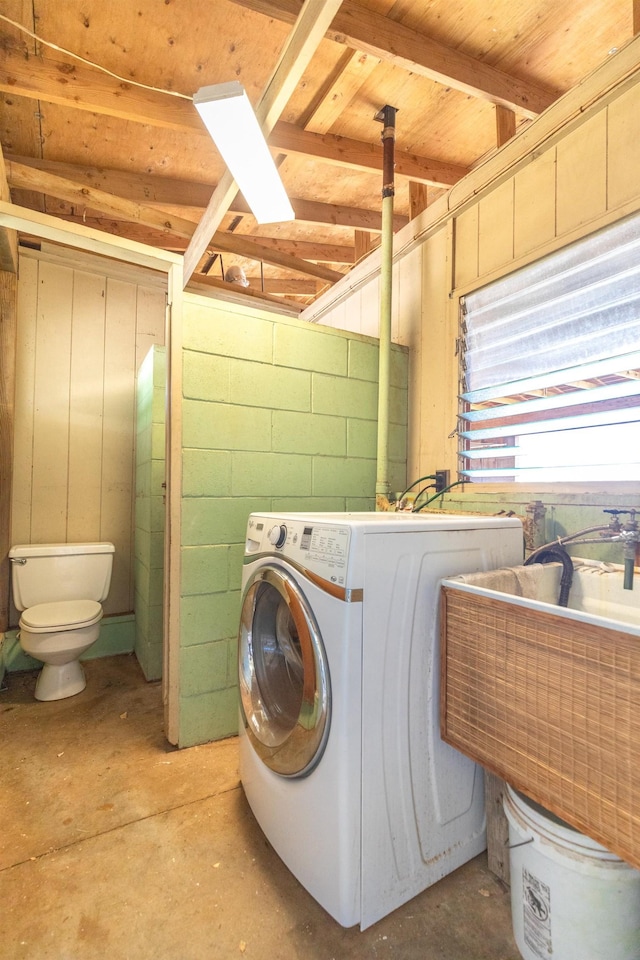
pixel 59 588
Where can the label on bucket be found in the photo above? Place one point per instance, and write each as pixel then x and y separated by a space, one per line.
pixel 536 899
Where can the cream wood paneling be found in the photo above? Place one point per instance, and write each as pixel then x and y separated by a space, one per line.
pixel 85 408
pixel 495 228
pixel 582 174
pixel 466 246
pixel 151 304
pixel 118 460
pixel 370 309
pixel 623 153
pixel 51 404
pixel 535 204
pixel 80 334
pixel 435 364
pixel 22 487
pixel 567 184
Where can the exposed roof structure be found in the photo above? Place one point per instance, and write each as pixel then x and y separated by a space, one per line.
pixel 98 124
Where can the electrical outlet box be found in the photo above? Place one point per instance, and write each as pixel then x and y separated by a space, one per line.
pixel 442 480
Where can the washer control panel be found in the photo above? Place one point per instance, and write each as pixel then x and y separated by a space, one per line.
pixel 319 546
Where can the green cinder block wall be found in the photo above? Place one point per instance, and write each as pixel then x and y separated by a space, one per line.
pixel 277 414
pixel 149 511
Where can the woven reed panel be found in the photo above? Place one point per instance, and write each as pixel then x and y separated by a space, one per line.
pixel 550 704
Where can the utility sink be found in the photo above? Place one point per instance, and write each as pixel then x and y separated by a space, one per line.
pixel 548 697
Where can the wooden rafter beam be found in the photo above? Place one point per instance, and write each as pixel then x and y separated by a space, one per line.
pixel 364 29
pixel 309 249
pixel 201 280
pixel 8 238
pixel 334 214
pixel 86 89
pixel 342 151
pixel 166 192
pixel 302 249
pixel 244 246
pixel 307 32
pixel 270 285
pixel 28 178
pixel 352 70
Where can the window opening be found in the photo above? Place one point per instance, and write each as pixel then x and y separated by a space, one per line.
pixel 550 366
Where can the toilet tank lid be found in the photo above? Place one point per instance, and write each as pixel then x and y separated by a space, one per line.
pixel 54 549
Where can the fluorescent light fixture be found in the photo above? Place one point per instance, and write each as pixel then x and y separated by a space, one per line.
pixel 228 116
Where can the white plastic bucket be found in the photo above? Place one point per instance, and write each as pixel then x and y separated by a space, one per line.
pixel 571 899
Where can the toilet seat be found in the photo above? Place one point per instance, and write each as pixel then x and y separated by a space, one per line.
pixel 61 615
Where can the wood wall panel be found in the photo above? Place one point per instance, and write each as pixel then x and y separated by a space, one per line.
pixel 535 204
pixel 495 229
pixel 8 330
pixel 623 153
pixel 466 247
pixel 150 305
pixel 582 175
pixel 118 463
pixel 85 408
pixel 51 403
pixel 80 334
pixel 21 492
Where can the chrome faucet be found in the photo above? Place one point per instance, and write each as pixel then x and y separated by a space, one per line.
pixel 627 533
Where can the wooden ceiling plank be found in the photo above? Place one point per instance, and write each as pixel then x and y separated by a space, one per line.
pixel 24 177
pixel 8 237
pixel 364 29
pixel 307 32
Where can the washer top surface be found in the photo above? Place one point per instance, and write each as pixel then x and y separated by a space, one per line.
pixel 331 545
pixel 375 521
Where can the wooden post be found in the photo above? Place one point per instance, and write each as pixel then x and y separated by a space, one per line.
pixel 362 244
pixel 497 827
pixel 417 198
pixel 505 124
pixel 8 313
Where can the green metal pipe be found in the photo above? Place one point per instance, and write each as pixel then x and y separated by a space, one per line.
pixel 382 479
pixel 387 115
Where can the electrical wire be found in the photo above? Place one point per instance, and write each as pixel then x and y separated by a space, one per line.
pixel 90 63
pixel 430 486
pixel 438 494
pixel 430 476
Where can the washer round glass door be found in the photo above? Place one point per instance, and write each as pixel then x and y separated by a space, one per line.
pixel 284 679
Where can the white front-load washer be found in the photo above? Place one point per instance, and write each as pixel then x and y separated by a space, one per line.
pixel 340 754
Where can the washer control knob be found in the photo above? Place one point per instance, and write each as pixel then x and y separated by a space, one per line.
pixel 278 535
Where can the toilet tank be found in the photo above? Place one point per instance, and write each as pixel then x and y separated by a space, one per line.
pixel 46 572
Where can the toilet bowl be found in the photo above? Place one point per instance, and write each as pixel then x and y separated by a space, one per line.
pixel 59 588
pixel 58 634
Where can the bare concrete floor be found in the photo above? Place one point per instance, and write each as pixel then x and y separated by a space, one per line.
pixel 114 845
